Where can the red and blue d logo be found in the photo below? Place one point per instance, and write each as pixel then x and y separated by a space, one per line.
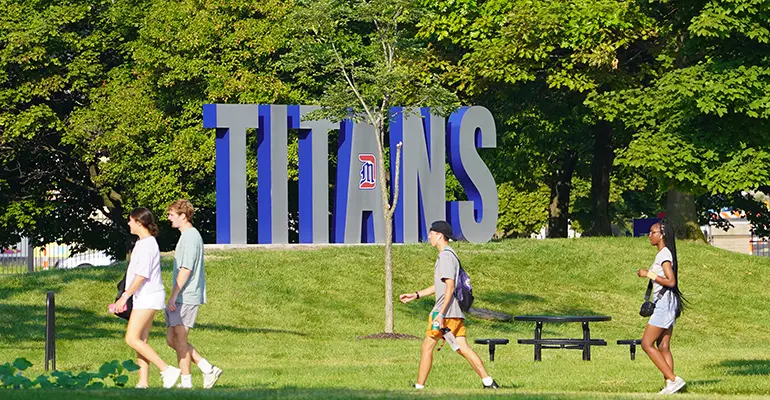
pixel 368 175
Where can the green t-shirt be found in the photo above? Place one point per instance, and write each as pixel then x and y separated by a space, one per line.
pixel 189 254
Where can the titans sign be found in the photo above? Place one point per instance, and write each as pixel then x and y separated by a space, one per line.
pixel 428 143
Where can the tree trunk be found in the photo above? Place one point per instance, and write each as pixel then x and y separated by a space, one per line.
pixel 601 167
pixel 558 210
pixel 113 201
pixel 389 319
pixel 385 192
pixel 681 214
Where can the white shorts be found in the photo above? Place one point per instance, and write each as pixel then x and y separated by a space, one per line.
pixel 151 301
pixel 664 315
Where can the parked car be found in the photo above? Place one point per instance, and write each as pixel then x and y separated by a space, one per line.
pixel 91 258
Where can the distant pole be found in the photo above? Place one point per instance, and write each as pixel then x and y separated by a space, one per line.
pixel 50 331
pixel 30 257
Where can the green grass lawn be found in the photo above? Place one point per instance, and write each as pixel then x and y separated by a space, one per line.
pixel 285 324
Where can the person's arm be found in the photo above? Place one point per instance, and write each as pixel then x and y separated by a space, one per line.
pixel 407 297
pixel 666 280
pixel 450 290
pixel 141 260
pixel 181 279
pixel 135 285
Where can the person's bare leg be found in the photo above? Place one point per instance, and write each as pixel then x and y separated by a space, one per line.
pixel 650 336
pixel 664 346
pixel 472 357
pixel 426 359
pixel 170 338
pixel 182 349
pixel 194 355
pixel 140 321
pixel 144 365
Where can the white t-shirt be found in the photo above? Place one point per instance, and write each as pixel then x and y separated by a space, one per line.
pixel 145 261
pixel 657 267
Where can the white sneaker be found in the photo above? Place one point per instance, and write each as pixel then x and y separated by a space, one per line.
pixel 140 387
pixel 210 379
pixel 676 385
pixel 673 386
pixel 170 376
pixel 180 386
pixel 665 388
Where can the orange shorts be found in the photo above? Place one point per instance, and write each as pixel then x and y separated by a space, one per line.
pixel 455 325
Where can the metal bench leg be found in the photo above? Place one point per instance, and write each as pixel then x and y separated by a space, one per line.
pixel 633 352
pixel 538 334
pixel 586 347
pixel 491 352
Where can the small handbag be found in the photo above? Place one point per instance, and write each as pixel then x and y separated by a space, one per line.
pixel 129 303
pixel 648 307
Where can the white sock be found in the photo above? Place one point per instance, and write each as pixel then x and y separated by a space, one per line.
pixel 418 386
pixel 487 381
pixel 186 381
pixel 204 366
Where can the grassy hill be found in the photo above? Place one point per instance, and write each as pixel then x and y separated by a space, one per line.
pixel 290 320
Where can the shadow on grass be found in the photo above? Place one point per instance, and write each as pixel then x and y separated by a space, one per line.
pixel 501 301
pixel 507 302
pixel 746 367
pixel 241 329
pixel 45 281
pixel 703 382
pixel 20 323
pixel 27 323
pixel 259 393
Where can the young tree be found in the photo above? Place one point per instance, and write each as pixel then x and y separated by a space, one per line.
pixel 366 55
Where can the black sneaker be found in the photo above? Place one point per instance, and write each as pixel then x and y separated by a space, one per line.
pixel 492 386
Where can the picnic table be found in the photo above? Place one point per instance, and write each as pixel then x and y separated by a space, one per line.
pixel 557 343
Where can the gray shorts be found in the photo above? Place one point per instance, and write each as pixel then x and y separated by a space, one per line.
pixel 184 315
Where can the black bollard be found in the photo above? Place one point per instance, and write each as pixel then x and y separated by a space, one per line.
pixel 50 331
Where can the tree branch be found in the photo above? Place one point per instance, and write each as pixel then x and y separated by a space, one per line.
pixel 392 209
pixel 352 85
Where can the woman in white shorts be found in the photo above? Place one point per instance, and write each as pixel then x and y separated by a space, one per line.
pixel 668 306
pixel 143 282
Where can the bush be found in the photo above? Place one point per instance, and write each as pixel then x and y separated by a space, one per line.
pixel 12 376
pixel 521 213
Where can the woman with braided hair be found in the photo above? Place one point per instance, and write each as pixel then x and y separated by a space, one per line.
pixel 663 273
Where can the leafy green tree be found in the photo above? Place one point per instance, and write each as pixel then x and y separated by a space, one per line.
pixel 101 104
pixel 369 51
pixel 702 126
pixel 572 48
pixel 147 118
pixel 53 55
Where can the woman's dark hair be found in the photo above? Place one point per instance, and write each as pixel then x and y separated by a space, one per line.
pixel 669 237
pixel 144 217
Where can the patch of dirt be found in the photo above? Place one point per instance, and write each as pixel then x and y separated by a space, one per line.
pixel 390 336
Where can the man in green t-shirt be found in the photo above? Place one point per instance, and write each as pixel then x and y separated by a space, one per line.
pixel 187 293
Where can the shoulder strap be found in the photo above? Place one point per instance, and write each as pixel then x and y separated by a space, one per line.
pixel 459 265
pixel 648 292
